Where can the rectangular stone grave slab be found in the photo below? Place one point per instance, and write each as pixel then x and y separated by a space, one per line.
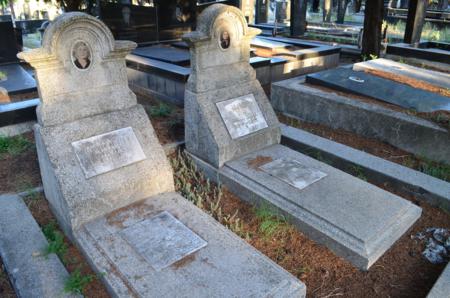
pixel 360 83
pixel 269 44
pixel 165 54
pixel 109 151
pixel 18 80
pixel 353 218
pixel 201 257
pixel 241 115
pixel 436 78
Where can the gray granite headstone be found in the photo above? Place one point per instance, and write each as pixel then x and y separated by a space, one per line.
pixel 96 147
pixel 361 83
pixel 222 80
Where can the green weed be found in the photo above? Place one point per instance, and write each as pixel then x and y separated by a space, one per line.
pixel 13 145
pixel 270 222
pixel 437 170
pixel 162 110
pixel 3 75
pixel 55 240
pixel 77 282
pixel 358 172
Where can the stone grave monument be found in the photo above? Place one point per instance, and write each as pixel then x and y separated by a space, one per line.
pixel 111 187
pixel 233 135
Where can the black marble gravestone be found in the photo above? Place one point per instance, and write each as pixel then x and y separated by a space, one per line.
pixel 364 84
pixel 8 43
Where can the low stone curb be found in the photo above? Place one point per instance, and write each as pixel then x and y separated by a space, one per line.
pixel 442 286
pixel 21 247
pixel 425 187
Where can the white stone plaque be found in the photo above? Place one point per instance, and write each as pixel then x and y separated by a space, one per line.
pixel 292 172
pixel 241 115
pixel 106 152
pixel 162 240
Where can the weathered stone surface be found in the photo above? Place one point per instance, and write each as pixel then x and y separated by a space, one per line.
pixel 226 267
pixel 241 115
pixel 67 91
pixel 162 240
pixel 96 147
pixel 17 79
pixel 407 132
pixel 436 78
pixel 432 190
pixel 109 151
pixel 292 172
pixel 361 83
pixel 22 246
pixel 353 218
pixel 219 74
pixel 76 199
pixel 442 287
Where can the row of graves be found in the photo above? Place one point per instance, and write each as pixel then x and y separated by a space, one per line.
pixel 111 186
pixel 17 86
pixel 163 70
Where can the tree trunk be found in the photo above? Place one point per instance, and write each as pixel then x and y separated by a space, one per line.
pixel 13 12
pixel 373 20
pixel 327 11
pixel 315 5
pixel 342 8
pixel 416 18
pixel 358 4
pixel 298 17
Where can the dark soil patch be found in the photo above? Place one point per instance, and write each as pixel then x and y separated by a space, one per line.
pixel 372 146
pixel 73 259
pixel 6 289
pixel 441 118
pixel 169 126
pixel 20 172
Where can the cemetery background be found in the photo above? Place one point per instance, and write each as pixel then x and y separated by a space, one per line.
pixel 164 115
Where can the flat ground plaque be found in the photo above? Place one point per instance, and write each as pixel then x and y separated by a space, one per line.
pixel 241 115
pixel 106 152
pixel 162 240
pixel 292 172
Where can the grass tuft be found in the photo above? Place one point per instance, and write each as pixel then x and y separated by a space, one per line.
pixel 162 110
pixel 270 223
pixel 77 282
pixel 13 145
pixel 55 240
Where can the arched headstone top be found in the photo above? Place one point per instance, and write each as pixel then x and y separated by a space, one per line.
pixel 73 31
pixel 80 69
pixel 219 18
pixel 220 49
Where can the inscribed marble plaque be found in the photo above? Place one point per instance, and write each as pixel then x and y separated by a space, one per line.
pixel 106 152
pixel 241 115
pixel 292 172
pixel 162 240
